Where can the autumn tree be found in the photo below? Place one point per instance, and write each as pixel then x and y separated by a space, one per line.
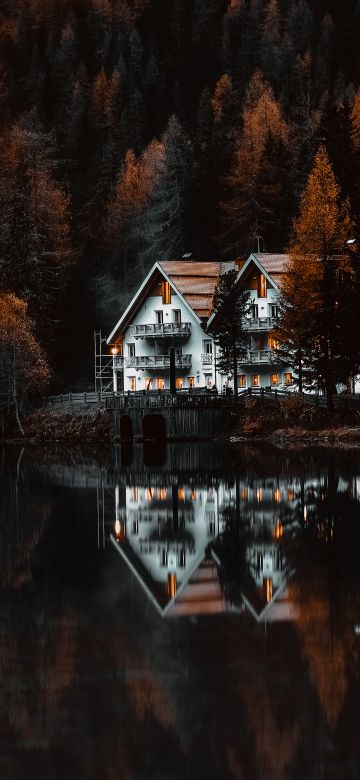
pixel 23 367
pixel 35 240
pixel 320 290
pixel 263 122
pixel 231 304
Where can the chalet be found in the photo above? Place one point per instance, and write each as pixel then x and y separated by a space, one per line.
pixel 174 308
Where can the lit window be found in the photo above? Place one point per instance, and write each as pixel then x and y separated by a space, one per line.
pixel 277 495
pixel 149 493
pixel 162 494
pixel 262 291
pixel 288 378
pixel 255 380
pixel 171 585
pixel 179 382
pixel 165 292
pixel 278 530
pixel 274 379
pixel 273 343
pixel 193 494
pixel 191 381
pixel 267 589
pixel 291 495
pixel 244 494
pixel 181 494
pixel 160 383
pixel 242 380
pixel 132 382
pixel 259 494
pixel 147 383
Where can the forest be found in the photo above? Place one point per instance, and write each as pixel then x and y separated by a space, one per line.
pixel 136 130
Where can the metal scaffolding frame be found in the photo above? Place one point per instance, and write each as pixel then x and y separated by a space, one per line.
pixel 103 365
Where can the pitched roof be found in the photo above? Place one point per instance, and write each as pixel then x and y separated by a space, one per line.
pixel 195 281
pixel 273 264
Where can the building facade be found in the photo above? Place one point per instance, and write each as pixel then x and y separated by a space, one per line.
pixel 173 308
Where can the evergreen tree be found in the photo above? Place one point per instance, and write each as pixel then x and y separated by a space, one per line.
pixel 231 305
pixel 320 289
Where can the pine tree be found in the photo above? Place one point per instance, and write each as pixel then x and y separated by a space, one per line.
pixel 320 289
pixel 231 304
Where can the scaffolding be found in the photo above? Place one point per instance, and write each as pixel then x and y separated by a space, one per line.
pixel 103 365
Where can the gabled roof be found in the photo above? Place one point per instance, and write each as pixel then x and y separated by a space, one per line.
pixel 273 264
pixel 194 282
pixel 195 594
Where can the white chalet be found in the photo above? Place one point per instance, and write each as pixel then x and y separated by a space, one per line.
pixel 174 308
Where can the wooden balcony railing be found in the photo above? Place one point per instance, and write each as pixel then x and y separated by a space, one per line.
pixel 257 356
pixel 157 361
pixel 259 323
pixel 161 330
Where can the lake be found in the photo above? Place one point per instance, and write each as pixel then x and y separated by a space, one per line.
pixel 180 612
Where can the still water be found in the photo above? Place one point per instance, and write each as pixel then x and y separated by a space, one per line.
pixel 181 613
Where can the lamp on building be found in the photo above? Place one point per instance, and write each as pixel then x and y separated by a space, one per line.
pixel 114 350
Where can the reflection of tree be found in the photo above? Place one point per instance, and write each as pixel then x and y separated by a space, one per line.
pixel 326 592
pixel 230 547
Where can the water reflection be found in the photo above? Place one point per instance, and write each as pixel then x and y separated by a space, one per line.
pixel 253 553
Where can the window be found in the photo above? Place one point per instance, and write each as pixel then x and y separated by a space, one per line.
pixel 171 585
pixel 254 310
pixel 177 316
pixel 179 383
pixel 273 343
pixel 181 494
pixel 273 310
pixel 208 347
pixel 160 383
pixel 242 380
pixel 159 317
pixel 182 558
pixel 288 378
pixel 274 379
pixel 132 382
pixel 134 494
pixel 165 292
pixel 147 383
pixel 135 527
pixel 131 350
pixel 163 557
pixel 191 380
pixel 262 291
pixel 255 380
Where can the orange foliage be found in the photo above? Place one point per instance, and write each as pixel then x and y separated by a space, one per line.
pixel 21 357
pixel 355 121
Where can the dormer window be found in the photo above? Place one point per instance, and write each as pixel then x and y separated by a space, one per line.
pixel 165 292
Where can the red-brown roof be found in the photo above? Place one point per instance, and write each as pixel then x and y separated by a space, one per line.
pixel 273 264
pixel 195 281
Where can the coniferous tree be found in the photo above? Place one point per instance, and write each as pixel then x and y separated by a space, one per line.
pixel 320 289
pixel 231 304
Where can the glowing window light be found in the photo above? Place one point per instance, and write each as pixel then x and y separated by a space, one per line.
pixel 259 494
pixel 171 585
pixel 278 530
pixel 277 495
pixel 267 589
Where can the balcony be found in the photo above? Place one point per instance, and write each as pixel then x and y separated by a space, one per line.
pixel 161 330
pixel 260 356
pixel 157 361
pixel 207 358
pixel 118 361
pixel 255 324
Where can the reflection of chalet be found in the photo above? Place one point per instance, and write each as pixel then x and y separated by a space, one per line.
pixel 163 534
pixel 268 600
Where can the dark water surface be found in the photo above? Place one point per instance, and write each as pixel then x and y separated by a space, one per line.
pixel 178 614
